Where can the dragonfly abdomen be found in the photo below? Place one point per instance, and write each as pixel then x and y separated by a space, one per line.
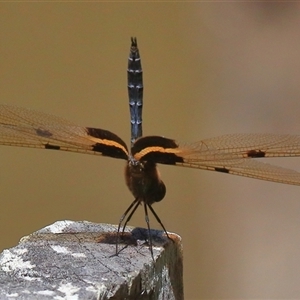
pixel 135 91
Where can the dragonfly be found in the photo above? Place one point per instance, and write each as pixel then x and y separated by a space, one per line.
pixel 236 154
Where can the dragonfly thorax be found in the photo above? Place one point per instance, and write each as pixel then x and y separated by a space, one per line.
pixel 143 180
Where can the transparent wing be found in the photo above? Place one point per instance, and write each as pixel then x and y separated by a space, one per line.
pixel 28 128
pixel 248 145
pixel 238 153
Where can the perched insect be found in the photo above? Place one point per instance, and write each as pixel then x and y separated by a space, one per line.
pixel 233 154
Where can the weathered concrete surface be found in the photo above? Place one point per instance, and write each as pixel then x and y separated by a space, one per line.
pixel 75 260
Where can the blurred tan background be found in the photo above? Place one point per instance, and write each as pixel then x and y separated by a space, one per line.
pixel 209 69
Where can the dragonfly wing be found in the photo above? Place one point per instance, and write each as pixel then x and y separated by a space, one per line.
pixel 233 154
pixel 248 168
pixel 28 128
pixel 244 146
pixel 237 154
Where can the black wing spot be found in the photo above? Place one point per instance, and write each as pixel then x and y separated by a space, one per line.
pixel 152 141
pixel 52 147
pixel 43 132
pixel 222 170
pixel 149 145
pixel 162 158
pixel 256 153
pixel 110 150
pixel 105 135
pixel 110 145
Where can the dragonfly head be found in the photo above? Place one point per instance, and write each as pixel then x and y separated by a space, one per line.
pixel 143 180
